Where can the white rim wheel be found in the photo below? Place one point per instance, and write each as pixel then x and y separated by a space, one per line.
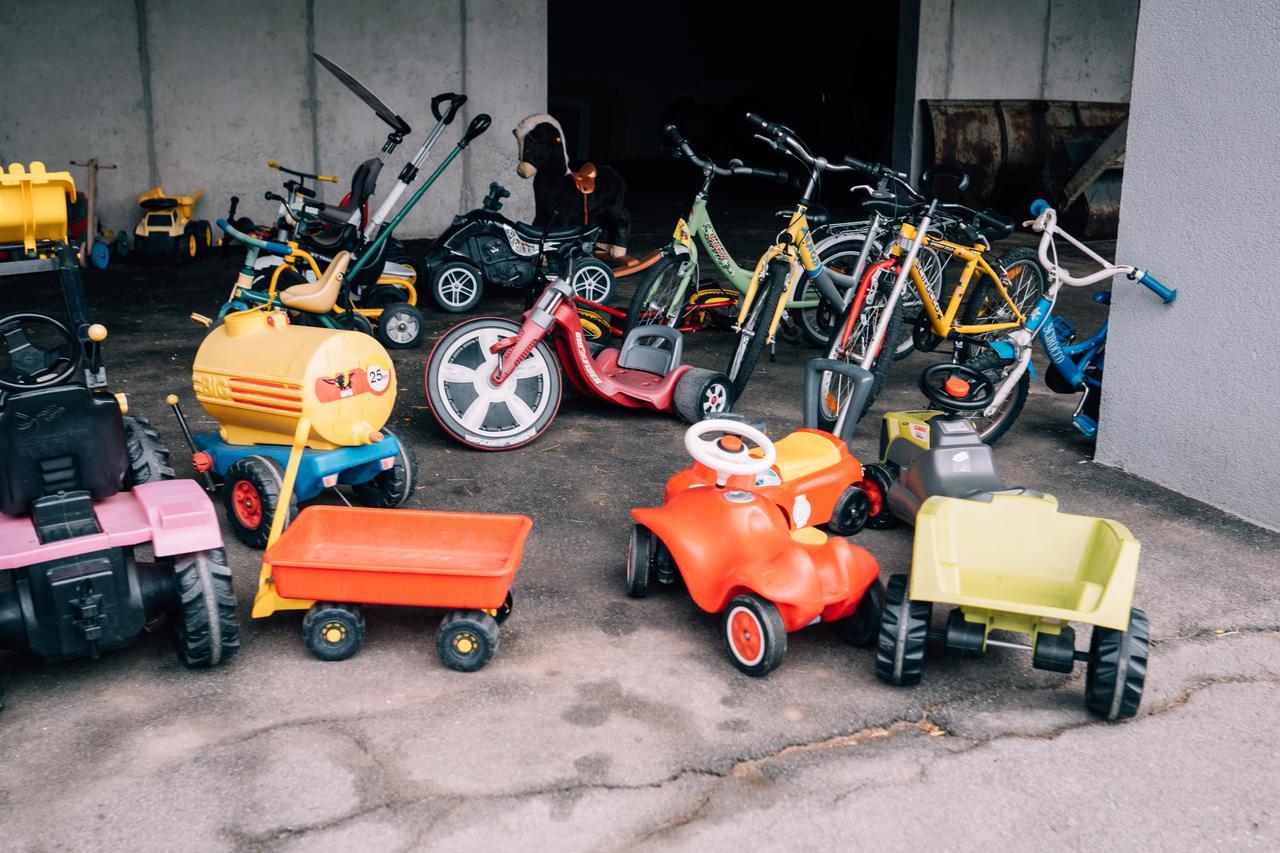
pixel 591 282
pixel 479 407
pixel 715 399
pixel 457 287
pixel 745 635
pixel 728 463
pixel 400 326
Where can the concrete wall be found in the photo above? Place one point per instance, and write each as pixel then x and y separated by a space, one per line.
pixel 1192 389
pixel 1078 50
pixel 191 94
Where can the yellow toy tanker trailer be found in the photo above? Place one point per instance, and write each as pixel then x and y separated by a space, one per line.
pixel 256 374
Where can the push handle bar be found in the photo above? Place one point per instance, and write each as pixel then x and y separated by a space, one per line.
pixel 672 134
pixel 455 104
pixel 265 245
pixel 281 168
pixel 478 125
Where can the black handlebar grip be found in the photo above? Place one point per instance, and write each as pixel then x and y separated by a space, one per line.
pixel 478 125
pixel 752 118
pixel 305 191
pixel 987 219
pixel 854 162
pixel 671 133
pixel 780 176
pixel 270 196
pixel 455 104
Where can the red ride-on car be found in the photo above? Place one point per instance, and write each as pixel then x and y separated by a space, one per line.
pixel 740 555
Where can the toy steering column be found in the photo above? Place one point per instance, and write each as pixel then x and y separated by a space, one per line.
pixel 729 458
pixel 267 601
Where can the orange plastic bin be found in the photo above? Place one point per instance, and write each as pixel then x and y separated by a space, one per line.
pixel 418 558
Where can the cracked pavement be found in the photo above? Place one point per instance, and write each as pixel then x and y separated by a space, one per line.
pixel 606 723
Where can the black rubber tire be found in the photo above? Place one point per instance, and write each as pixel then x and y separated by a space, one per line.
pixel 880 476
pixel 333 631
pixel 356 323
pixel 1055 652
pixel 766 627
pixel 904 632
pixel 862 629
pixel 643 551
pixel 266 477
pixel 206 630
pixel 467 639
pixel 879 368
pixel 851 512
pixel 1117 668
pixel 204 236
pixel 755 329
pixel 188 245
pixel 965 638
pixel 975 302
pixel 659 281
pixel 148 457
pixel 392 487
pixel 503 611
pixel 815 324
pixel 702 393
pixel 600 276
pixel 445 412
pixel 456 301
pixel 400 326
pixel 992 365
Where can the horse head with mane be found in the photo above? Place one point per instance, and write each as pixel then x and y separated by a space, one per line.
pixel 565 198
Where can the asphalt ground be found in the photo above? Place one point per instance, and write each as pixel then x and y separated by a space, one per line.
pixel 605 722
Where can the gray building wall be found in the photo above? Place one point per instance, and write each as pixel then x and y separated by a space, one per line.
pixel 1192 389
pixel 1077 50
pixel 190 94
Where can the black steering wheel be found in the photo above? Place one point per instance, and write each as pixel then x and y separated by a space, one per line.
pixel 27 365
pixel 957 387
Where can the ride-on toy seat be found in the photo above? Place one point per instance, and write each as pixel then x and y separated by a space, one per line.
pixel 319 296
pixel 740 554
pixel 653 349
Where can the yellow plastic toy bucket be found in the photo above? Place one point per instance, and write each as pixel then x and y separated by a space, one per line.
pixel 33 205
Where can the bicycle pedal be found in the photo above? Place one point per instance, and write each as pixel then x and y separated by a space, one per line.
pixel 1085 425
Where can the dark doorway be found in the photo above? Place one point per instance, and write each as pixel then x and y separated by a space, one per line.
pixel 620 71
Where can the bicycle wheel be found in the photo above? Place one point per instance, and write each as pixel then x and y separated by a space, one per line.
pixel 996 368
pixel 841 256
pixel 850 344
pixel 755 330
pixel 931 266
pixel 657 290
pixel 1025 282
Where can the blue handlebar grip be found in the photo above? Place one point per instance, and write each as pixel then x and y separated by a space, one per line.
pixel 277 248
pixel 1153 284
pixel 1039 206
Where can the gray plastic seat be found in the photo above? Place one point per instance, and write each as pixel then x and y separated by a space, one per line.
pixel 652 349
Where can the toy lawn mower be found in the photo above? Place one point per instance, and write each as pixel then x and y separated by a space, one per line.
pixel 168 228
pixel 742 556
pixel 1004 558
pixel 484 248
pixel 494 384
pixel 255 374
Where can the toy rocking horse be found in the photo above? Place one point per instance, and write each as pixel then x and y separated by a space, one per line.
pixel 590 196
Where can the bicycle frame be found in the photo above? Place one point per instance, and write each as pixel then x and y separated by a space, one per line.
pixel 795 247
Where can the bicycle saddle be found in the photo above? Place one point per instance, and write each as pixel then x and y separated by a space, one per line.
pixel 319 296
pixel 994 226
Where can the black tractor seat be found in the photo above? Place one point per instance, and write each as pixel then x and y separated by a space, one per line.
pixel 533 232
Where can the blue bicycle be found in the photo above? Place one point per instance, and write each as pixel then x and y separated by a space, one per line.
pixel 1075 366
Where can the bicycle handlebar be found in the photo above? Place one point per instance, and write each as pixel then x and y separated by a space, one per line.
pixel 332 179
pixel 874 170
pixel 455 104
pixel 265 245
pixel 781 137
pixel 1046 222
pixel 672 134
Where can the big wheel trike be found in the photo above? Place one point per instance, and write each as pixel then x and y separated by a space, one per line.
pixel 255 374
pixel 334 559
pixel 740 555
pixel 494 384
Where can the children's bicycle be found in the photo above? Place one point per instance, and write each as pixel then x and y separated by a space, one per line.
pixel 1075 366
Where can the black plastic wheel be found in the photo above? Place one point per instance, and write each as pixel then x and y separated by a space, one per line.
pixel 965 638
pixel 356 323
pixel 876 481
pixel 382 296
pixel 148 457
pixel 754 634
pixel 593 281
pixel 904 632
pixel 642 552
pixel 204 235
pixel 206 630
pixel 394 486
pixel 702 393
pixel 503 612
pixel 457 287
pixel 333 631
pixel 1118 668
pixel 467 639
pixel 400 326
pixel 251 492
pixel 1055 652
pixel 851 512
pixel 863 627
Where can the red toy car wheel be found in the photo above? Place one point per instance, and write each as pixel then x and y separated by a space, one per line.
pixel 754 635
pixel 247 504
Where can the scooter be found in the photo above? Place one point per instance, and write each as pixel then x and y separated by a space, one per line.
pixel 494 384
pixel 482 247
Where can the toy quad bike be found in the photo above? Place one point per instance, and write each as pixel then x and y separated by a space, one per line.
pixel 255 374
pixel 1005 558
pixel 167 227
pixel 483 247
pixel 741 556
pixel 494 384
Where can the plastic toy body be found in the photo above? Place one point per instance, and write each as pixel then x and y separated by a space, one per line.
pixel 495 385
pixel 33 205
pixel 740 554
pixel 167 226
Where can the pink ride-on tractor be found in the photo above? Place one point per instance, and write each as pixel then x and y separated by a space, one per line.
pixel 738 554
pixel 78 494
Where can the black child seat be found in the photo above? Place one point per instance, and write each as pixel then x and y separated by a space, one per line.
pixel 336 217
pixel 652 349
